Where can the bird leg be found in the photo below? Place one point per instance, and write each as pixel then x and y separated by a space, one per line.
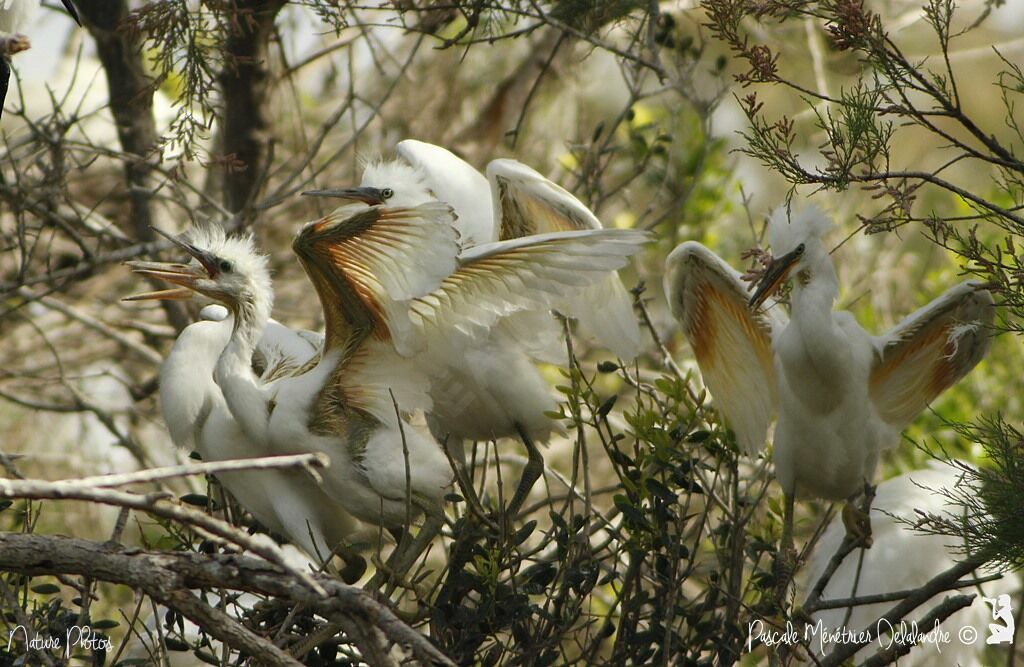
pixel 785 559
pixel 532 471
pixel 464 483
pixel 408 550
pixel 785 567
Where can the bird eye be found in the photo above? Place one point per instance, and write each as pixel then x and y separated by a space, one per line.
pixel 225 266
pixel 387 193
pixel 800 249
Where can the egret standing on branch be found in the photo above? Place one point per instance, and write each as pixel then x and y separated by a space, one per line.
pixel 483 384
pixel 840 395
pixel 388 280
pixel 338 402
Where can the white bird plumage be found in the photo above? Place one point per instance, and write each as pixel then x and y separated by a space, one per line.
pixel 840 394
pixel 523 203
pixel 467 335
pixel 288 502
pixel 279 411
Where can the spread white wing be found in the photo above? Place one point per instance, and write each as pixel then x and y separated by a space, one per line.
pixel 455 182
pixel 732 344
pixel 526 203
pixel 929 351
pixel 497 279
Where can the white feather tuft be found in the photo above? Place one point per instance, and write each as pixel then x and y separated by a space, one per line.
pixel 786 231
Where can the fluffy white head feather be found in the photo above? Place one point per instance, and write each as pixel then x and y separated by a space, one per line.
pixel 789 228
pixel 242 277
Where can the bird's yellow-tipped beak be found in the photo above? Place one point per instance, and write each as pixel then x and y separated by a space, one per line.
pixel 184 275
pixel 776 274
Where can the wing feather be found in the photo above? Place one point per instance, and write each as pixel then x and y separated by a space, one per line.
pixel 527 203
pixel 498 279
pixel 732 344
pixel 362 260
pixel 930 351
pixel 455 182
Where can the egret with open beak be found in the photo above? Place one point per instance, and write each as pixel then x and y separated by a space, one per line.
pixel 289 503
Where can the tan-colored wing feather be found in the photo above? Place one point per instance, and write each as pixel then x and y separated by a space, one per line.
pixel 929 351
pixel 527 203
pixel 732 344
pixel 362 260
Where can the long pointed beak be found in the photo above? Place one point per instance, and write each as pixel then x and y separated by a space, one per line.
pixel 776 274
pixel 365 194
pixel 208 261
pixel 184 275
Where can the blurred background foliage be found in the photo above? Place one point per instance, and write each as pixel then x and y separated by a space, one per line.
pixel 643 110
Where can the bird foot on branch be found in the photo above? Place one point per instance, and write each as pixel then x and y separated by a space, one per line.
pixel 858 524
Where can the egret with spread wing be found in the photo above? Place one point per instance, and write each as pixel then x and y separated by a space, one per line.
pixel 339 402
pixel 840 395
pixel 468 335
pixel 524 203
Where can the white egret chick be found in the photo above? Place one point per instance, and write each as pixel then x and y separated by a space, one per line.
pixel 287 502
pixel 318 406
pixel 840 395
pixel 902 559
pixel 483 384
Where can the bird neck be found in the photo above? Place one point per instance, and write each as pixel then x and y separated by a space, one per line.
pixel 815 285
pixel 186 379
pixel 824 347
pixel 242 388
pixel 251 315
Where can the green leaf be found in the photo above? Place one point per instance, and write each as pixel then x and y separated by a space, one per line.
pixel 176 644
pixel 46 589
pixel 656 488
pixel 195 499
pixel 524 533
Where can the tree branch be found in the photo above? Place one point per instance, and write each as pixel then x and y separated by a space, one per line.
pixel 131 102
pixel 246 85
pixel 167 577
